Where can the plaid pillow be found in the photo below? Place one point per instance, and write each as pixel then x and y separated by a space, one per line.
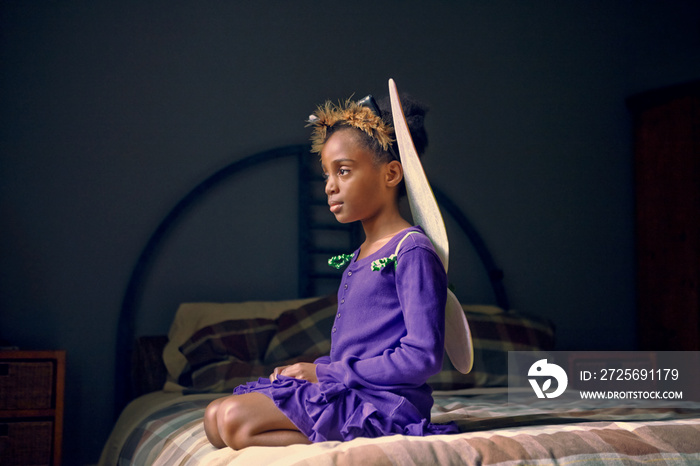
pixel 493 335
pixel 303 334
pixel 219 353
pixel 227 354
pixel 191 317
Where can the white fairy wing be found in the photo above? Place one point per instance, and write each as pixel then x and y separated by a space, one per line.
pixel 426 213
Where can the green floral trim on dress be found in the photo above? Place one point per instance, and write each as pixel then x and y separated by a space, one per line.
pixel 340 261
pixel 379 264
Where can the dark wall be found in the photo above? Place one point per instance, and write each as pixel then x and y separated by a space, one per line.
pixel 110 111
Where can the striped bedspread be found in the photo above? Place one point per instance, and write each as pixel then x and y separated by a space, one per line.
pixel 492 433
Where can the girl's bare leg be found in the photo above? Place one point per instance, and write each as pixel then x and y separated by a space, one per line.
pixel 210 424
pixel 252 419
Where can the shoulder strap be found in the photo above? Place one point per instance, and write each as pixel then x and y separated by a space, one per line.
pixel 379 264
pixel 398 246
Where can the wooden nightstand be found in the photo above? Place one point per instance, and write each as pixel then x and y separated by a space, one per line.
pixel 31 407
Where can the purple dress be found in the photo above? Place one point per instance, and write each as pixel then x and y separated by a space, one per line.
pixel 387 339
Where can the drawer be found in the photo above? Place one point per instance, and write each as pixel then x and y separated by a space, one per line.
pixel 26 384
pixel 26 443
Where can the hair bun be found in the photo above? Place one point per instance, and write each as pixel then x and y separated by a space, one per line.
pixel 414 111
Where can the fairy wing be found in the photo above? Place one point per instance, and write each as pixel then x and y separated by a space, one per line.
pixel 426 213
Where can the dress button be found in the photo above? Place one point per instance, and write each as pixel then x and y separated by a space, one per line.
pixel 342 301
pixel 335 329
pixel 349 273
pixel 346 287
pixel 339 315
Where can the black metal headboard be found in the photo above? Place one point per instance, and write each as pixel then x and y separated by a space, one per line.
pixel 311 275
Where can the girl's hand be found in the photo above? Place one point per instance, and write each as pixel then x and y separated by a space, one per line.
pixel 302 370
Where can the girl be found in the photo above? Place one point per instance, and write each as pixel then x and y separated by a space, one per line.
pixel 388 334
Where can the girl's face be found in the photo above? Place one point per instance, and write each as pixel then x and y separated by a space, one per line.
pixel 354 182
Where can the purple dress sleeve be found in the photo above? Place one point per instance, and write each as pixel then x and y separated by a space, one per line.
pixel 323 360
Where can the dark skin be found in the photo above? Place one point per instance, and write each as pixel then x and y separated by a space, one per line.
pixel 358 189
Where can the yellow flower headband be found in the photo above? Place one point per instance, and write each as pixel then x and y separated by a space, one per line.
pixel 352 114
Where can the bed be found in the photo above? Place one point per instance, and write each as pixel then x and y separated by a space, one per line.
pixel 164 382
